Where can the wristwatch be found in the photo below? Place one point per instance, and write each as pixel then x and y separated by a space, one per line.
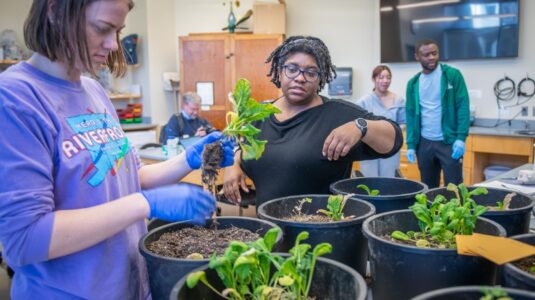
pixel 363 126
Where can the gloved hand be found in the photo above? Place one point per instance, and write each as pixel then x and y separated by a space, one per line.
pixel 457 149
pixel 194 153
pixel 411 155
pixel 180 202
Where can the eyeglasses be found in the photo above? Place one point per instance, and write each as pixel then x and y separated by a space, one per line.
pixel 293 71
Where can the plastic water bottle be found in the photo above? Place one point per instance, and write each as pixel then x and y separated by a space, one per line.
pixel 172 146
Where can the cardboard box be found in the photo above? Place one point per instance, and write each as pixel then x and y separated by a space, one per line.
pixel 269 17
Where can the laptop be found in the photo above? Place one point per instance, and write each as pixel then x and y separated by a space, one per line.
pixel 188 142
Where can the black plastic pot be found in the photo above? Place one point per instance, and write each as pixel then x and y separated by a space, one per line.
pixel 515 220
pixel 349 244
pixel 401 271
pixel 164 271
pixel 395 193
pixel 514 277
pixel 471 293
pixel 332 280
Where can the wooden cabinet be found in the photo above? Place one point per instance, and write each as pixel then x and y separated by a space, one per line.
pixel 485 150
pixel 223 58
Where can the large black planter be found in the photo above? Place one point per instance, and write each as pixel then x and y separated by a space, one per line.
pixel 401 271
pixel 395 193
pixel 515 220
pixel 164 271
pixel 332 280
pixel 514 277
pixel 349 244
pixel 471 293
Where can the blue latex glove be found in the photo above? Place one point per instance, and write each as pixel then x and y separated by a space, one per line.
pixel 411 155
pixel 194 153
pixel 180 202
pixel 458 149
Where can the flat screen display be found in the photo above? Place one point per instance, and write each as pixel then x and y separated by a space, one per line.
pixel 463 29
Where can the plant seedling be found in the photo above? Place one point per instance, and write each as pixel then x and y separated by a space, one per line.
pixel 503 205
pixel 298 209
pixel 495 293
pixel 239 128
pixel 245 111
pixel 442 220
pixel 245 269
pixel 368 190
pixel 335 206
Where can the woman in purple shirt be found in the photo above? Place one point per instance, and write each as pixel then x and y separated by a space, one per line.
pixel 73 195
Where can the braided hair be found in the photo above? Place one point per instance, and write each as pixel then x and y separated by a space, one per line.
pixel 302 44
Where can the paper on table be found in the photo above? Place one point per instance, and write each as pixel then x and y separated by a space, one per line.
pixel 527 189
pixel 499 250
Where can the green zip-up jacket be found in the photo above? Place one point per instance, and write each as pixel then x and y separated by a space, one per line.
pixel 455 108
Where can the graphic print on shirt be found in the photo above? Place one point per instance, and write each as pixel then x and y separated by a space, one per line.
pixel 103 137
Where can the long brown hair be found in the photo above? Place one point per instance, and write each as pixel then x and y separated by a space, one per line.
pixel 62 36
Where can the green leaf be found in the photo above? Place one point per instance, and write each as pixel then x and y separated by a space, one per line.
pixel 421 199
pixel 422 243
pixel 322 249
pixel 194 278
pixel 398 235
pixel 286 280
pixel 303 235
pixel 270 238
pixel 479 191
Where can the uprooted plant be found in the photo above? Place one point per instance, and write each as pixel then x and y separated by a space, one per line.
pixel 246 269
pixel 239 129
pixel 371 192
pixel 442 220
pixel 502 205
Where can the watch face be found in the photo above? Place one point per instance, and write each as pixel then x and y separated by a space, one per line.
pixel 362 122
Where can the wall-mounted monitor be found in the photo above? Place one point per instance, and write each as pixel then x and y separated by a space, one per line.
pixel 463 29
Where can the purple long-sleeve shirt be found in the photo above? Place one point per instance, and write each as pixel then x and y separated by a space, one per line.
pixel 62 148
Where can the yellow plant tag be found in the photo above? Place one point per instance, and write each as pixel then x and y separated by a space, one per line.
pixel 499 250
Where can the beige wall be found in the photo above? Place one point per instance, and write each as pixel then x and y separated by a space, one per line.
pixel 350 28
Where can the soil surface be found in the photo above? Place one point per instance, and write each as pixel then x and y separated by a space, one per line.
pixel 310 219
pixel 205 241
pixel 526 264
pixel 212 156
pixel 432 243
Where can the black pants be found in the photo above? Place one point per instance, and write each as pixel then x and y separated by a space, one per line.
pixel 434 157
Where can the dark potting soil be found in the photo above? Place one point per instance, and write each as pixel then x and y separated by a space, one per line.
pixel 526 264
pixel 211 159
pixel 197 239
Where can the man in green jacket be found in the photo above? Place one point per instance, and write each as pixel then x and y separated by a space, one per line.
pixel 438 117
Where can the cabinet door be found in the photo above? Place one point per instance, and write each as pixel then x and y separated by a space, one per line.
pixel 205 58
pixel 250 52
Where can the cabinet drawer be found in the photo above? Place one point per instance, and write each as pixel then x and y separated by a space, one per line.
pixel 502 145
pixel 410 171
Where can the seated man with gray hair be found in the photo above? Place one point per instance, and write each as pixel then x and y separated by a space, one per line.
pixel 187 123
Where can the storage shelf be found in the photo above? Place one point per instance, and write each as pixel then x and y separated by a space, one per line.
pixel 124 96
pixel 5 63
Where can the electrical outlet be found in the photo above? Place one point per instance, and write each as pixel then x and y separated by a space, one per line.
pixel 524 111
